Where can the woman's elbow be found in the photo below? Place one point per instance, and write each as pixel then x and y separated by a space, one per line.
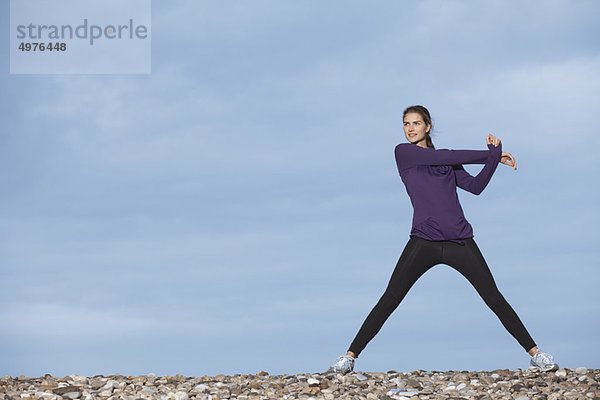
pixel 477 190
pixel 469 187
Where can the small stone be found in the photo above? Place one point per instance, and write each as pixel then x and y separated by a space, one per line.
pixel 522 398
pixel 487 380
pixel 398 394
pixel 460 378
pixel 449 388
pixel 517 387
pixel 399 382
pixel 110 385
pixel 413 383
pixel 219 378
pixel 72 395
pixel 254 385
pixel 97 383
pixel 79 378
pixel 581 370
pixel 461 386
pixel 61 391
pixel 394 392
pixel 202 388
pixel 561 373
pixel 48 396
pixel 313 382
pixel 177 396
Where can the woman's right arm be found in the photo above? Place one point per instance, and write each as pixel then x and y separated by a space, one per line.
pixel 409 155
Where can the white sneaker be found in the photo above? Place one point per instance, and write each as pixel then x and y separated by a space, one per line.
pixel 342 365
pixel 543 361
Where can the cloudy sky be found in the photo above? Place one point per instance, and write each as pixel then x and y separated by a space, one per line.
pixel 239 208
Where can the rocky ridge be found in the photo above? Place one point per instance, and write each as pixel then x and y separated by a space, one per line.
pixel 567 384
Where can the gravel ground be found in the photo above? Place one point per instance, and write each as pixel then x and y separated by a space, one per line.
pixel 579 383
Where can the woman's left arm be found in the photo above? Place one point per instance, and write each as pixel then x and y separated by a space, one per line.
pixel 476 184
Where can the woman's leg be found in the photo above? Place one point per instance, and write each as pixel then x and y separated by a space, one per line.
pixel 418 256
pixel 469 261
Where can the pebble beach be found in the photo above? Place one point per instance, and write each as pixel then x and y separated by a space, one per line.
pixel 569 384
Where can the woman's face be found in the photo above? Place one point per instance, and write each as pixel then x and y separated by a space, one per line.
pixel 416 129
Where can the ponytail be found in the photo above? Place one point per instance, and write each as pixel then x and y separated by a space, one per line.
pixel 428 141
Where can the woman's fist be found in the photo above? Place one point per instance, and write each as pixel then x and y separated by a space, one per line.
pixel 491 139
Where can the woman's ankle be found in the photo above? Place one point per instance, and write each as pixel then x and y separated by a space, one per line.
pixel 533 351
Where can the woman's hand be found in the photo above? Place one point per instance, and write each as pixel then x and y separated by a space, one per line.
pixel 509 160
pixel 506 158
pixel 491 139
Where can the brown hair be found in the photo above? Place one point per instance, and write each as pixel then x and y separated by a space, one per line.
pixel 424 113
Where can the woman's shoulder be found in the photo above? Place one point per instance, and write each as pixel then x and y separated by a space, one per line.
pixel 405 146
pixel 410 147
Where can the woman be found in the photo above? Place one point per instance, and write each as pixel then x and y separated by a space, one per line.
pixel 440 233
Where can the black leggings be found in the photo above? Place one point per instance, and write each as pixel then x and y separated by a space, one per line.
pixel 418 256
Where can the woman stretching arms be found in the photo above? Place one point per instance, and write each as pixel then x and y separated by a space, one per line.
pixel 440 233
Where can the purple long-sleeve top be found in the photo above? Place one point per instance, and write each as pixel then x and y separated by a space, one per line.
pixel 431 177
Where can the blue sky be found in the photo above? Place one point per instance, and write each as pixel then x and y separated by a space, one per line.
pixel 239 208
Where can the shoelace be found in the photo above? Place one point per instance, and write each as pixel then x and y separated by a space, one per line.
pixel 345 359
pixel 543 359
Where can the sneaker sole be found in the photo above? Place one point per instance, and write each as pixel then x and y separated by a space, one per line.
pixel 551 369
